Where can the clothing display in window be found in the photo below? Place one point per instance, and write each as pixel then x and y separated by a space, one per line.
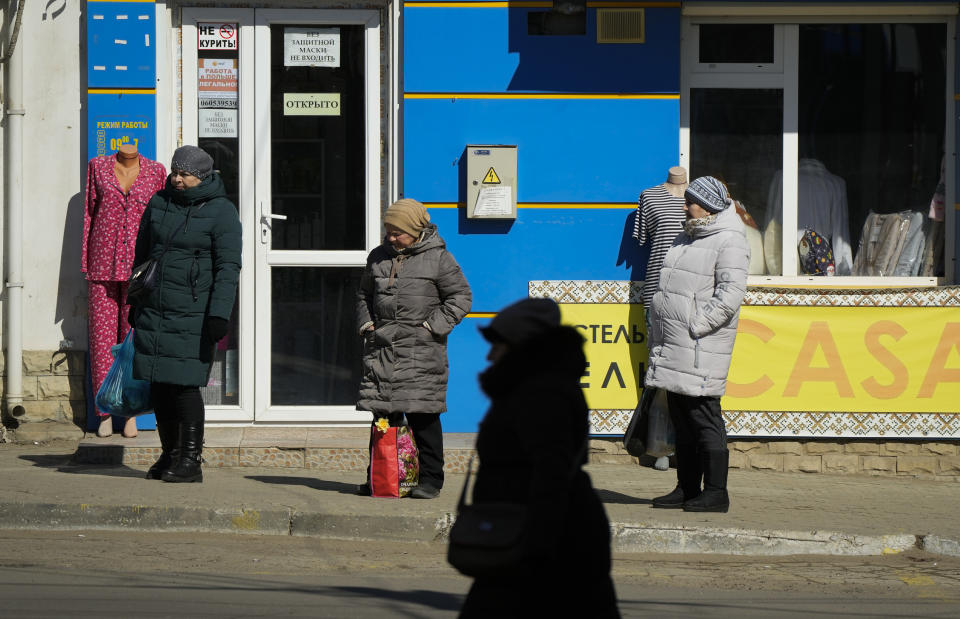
pixel 659 220
pixel 821 206
pixel 891 245
pixel 118 189
pixel 932 260
pixel 932 263
pixel 816 255
pixel 751 230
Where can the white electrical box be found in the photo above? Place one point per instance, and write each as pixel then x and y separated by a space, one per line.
pixel 491 181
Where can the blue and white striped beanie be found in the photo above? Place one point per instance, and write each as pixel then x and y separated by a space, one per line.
pixel 709 193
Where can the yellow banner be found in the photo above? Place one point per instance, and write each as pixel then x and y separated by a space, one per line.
pixel 883 359
pixel 843 359
pixel 616 349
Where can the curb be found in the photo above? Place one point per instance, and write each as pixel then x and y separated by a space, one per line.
pixel 625 537
pixel 939 545
pixel 143 518
pixel 694 540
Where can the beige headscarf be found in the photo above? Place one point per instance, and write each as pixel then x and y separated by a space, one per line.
pixel 407 215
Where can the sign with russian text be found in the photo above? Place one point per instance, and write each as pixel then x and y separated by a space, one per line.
pixel 311 47
pixel 616 350
pixel 807 358
pixel 218 36
pixel 213 123
pixel 311 104
pixel 121 118
pixel 218 80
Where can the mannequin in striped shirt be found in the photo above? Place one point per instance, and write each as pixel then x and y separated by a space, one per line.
pixel 659 220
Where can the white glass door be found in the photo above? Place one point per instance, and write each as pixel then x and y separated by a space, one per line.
pixel 288 103
pixel 317 202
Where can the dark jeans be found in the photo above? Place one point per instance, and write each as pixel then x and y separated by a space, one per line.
pixel 175 404
pixel 428 434
pixel 697 422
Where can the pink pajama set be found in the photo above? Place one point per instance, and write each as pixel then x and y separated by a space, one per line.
pixel 110 224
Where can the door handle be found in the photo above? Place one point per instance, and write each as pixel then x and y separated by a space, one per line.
pixel 266 223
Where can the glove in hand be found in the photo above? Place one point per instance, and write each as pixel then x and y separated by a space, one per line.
pixel 216 328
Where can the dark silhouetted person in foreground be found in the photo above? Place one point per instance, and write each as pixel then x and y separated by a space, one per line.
pixel 531 448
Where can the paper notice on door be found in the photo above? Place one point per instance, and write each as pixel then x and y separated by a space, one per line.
pixel 493 201
pixel 311 104
pixel 311 47
pixel 217 123
pixel 217 82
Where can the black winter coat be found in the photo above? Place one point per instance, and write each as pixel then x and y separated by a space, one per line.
pixel 405 363
pixel 198 278
pixel 528 445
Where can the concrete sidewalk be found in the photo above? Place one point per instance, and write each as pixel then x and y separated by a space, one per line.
pixel 771 514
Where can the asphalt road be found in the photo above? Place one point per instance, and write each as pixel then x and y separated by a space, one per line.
pixel 111 574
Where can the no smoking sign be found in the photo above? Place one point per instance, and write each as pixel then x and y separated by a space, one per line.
pixel 216 35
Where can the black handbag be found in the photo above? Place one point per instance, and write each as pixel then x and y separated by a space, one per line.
pixel 145 276
pixel 488 539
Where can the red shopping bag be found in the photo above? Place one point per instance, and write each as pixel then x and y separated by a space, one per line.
pixel 394 461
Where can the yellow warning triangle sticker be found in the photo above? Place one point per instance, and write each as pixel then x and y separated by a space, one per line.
pixel 491 178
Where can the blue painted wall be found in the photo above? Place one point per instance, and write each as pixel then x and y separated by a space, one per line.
pixel 489 50
pixel 588 158
pixel 568 150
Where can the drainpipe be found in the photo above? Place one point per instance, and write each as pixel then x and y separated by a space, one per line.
pixel 14 112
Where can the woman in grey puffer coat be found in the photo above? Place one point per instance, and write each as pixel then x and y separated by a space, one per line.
pixel 694 317
pixel 412 294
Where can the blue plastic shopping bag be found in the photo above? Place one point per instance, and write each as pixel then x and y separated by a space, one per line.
pixel 121 394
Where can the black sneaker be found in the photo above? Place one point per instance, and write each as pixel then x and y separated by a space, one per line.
pixel 424 492
pixel 363 489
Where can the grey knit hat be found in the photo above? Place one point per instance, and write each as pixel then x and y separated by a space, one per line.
pixel 522 320
pixel 192 159
pixel 709 193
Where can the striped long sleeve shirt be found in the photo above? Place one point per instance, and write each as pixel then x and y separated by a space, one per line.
pixel 659 220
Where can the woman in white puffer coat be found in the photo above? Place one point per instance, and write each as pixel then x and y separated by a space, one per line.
pixel 693 318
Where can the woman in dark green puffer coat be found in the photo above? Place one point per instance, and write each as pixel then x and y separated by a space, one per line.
pixel 178 325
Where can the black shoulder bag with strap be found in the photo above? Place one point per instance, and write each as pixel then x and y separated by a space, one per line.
pixel 487 539
pixel 145 277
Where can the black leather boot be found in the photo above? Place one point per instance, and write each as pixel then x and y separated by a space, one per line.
pixel 186 467
pixel 689 475
pixel 714 497
pixel 168 431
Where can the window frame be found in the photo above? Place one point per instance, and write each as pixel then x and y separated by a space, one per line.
pixel 783 74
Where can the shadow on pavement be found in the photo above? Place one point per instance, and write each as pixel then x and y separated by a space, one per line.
pixel 421 597
pixel 609 496
pixel 63 463
pixel 310 482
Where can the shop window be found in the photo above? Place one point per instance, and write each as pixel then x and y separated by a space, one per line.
pixel 868 122
pixel 739 138
pixel 871 114
pixel 736 43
